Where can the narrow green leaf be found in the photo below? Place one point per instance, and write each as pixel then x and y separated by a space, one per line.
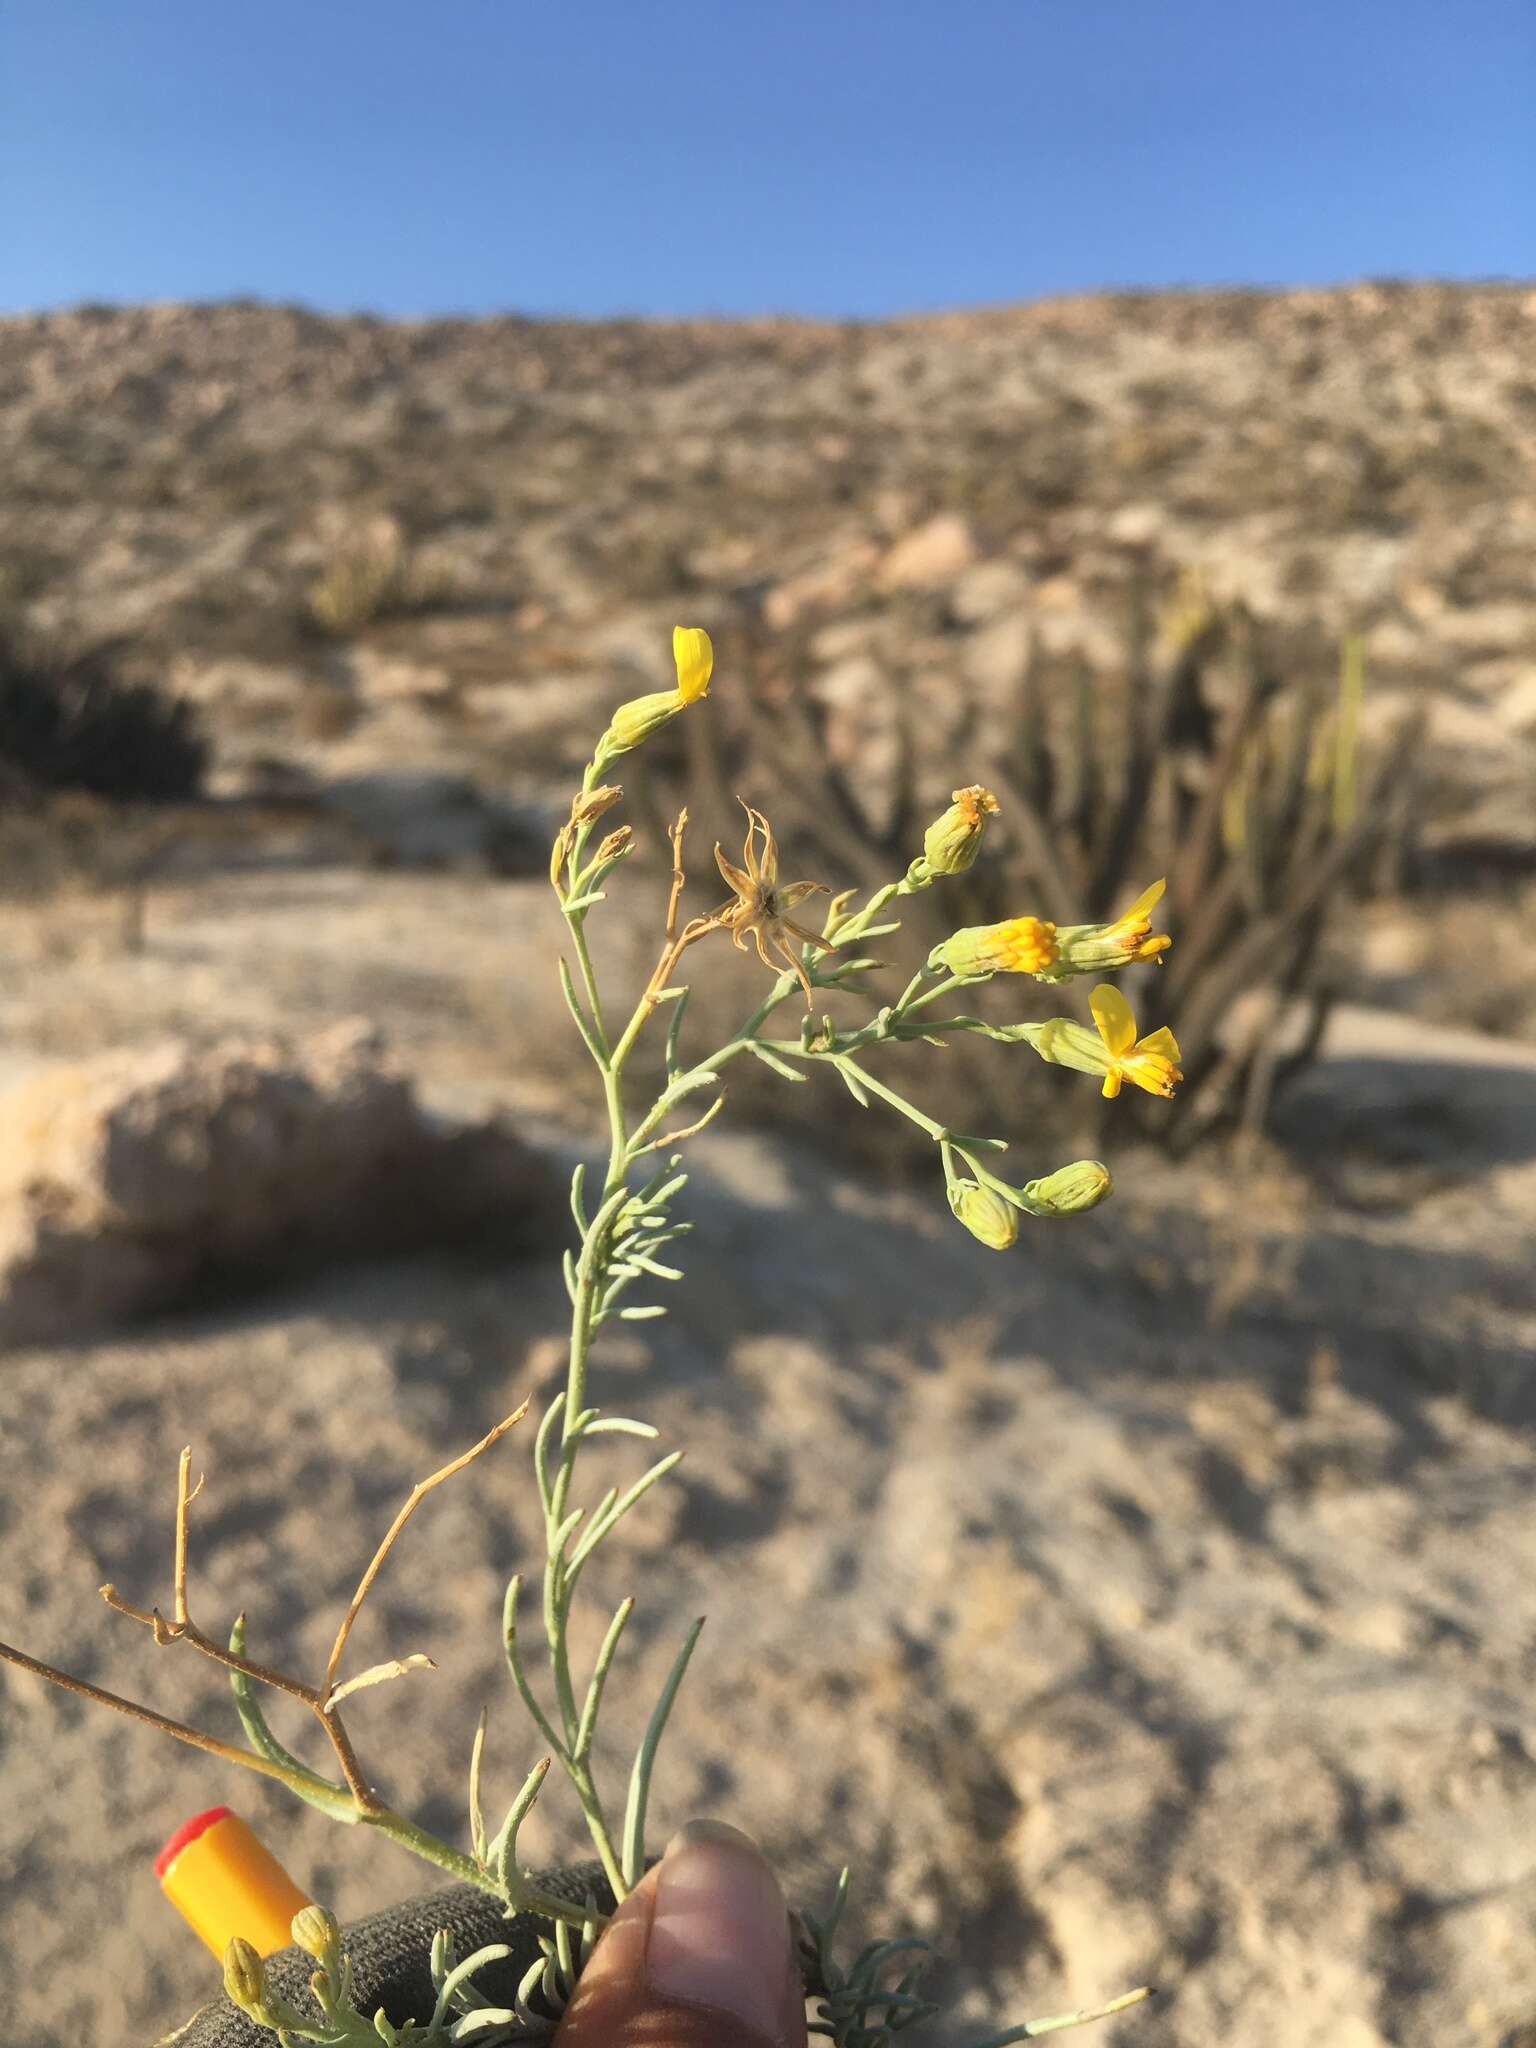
pixel 770 1058
pixel 335 1800
pixel 633 1860
pixel 573 1004
pixel 586 1728
pixel 602 1522
pixel 851 1083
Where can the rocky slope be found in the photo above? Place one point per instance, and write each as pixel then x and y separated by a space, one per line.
pixel 1360 457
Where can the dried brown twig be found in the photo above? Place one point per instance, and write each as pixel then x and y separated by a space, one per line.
pixel 321 1699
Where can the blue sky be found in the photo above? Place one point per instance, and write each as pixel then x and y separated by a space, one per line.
pixel 818 156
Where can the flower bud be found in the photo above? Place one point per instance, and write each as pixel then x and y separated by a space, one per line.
pixel 641 716
pixel 1020 945
pixel 1070 1189
pixel 1106 948
pixel 616 843
pixel 636 721
pixel 245 1978
pixel 317 1933
pixel 951 843
pixel 985 1214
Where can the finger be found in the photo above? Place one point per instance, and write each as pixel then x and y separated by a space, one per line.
pixel 699 1955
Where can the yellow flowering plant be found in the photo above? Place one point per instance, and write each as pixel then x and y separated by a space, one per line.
pixel 626 1217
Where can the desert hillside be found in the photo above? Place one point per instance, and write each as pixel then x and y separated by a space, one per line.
pixel 1150 1603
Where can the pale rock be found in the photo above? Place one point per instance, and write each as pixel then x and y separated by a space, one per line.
pixel 983 592
pixel 994 659
pixel 1135 525
pixel 1394 643
pixel 1458 725
pixel 862 734
pixel 1059 593
pixel 1486 629
pixel 382 678
pixel 1097 640
pixel 930 556
pixel 135 1179
pixel 820 586
pixel 840 638
pixel 235 684
pixel 1517 703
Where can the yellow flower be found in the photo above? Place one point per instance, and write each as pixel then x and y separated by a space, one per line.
pixel 636 720
pixel 951 843
pixel 694 654
pixel 1151 1062
pixel 1020 945
pixel 1106 948
pixel 984 1213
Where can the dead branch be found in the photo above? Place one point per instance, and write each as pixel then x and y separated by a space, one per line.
pixel 180 1729
pixel 321 1700
pixel 679 875
pixel 419 1492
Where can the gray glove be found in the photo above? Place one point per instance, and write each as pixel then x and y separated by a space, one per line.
pixel 389 1953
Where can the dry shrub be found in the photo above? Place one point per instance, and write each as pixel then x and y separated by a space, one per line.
pixel 69 720
pixel 372 573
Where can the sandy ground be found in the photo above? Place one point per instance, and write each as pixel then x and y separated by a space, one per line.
pixel 1153 1603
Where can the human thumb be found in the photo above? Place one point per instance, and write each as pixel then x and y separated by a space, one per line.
pixel 700 1955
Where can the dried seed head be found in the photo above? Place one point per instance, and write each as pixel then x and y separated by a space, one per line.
pixel 588 805
pixel 616 843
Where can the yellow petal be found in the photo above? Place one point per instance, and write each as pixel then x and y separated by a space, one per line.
pixel 1115 1019
pixel 1161 1041
pixel 1142 907
pixel 695 658
pixel 1112 1083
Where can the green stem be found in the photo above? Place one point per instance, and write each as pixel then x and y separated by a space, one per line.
pixel 577 920
pixel 909 1110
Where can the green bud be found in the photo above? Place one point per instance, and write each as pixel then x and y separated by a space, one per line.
pixel 245 1978
pixel 951 843
pixel 985 1214
pixel 636 721
pixel 317 1933
pixel 1082 1185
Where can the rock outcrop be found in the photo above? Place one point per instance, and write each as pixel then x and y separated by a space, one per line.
pixel 136 1179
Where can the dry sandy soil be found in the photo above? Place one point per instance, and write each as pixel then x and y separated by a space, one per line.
pixel 1154 1603
pixel 1164 1586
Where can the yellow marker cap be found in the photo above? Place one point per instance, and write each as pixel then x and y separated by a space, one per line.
pixel 224 1883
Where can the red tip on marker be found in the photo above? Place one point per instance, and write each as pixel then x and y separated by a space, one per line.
pixel 186 1834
